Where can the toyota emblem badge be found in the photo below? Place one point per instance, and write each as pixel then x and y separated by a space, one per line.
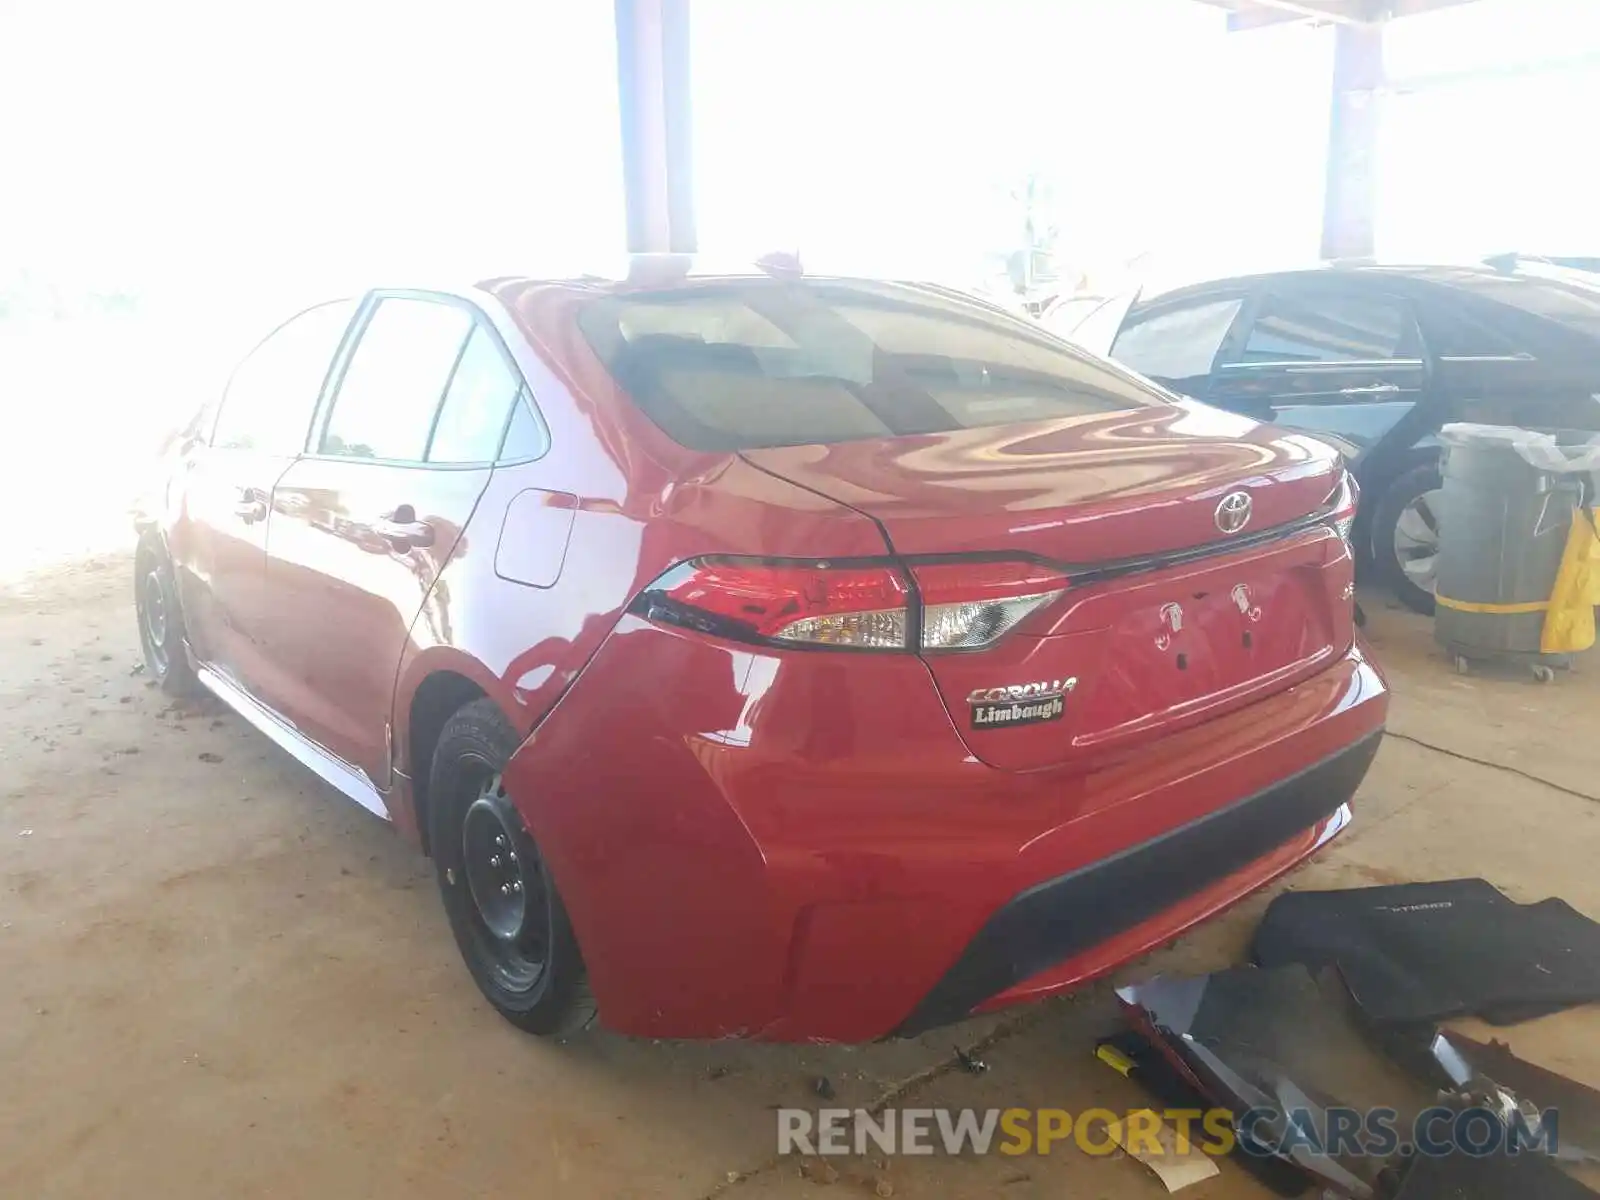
pixel 1233 514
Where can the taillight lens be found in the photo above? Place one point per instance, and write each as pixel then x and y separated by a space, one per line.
pixel 968 605
pixel 864 607
pixel 965 605
pixel 1345 499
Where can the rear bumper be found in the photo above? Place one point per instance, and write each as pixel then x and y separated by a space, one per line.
pixel 735 865
pixel 1067 917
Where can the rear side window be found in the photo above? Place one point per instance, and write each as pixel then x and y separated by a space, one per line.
pixel 778 363
pixel 268 403
pixel 1331 328
pixel 395 379
pixel 476 404
pixel 1177 343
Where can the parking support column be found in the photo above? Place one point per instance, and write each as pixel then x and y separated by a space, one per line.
pixel 1352 184
pixel 653 96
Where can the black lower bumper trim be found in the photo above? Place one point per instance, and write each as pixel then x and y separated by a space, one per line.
pixel 1063 917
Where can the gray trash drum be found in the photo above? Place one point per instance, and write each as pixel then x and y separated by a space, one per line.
pixel 1505 515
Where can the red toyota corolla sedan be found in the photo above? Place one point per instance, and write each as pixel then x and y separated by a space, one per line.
pixel 784 657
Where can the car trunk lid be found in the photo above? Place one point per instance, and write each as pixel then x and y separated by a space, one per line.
pixel 1176 607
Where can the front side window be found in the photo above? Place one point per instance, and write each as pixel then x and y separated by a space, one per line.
pixel 1177 343
pixel 765 362
pixel 386 402
pixel 268 403
pixel 1331 328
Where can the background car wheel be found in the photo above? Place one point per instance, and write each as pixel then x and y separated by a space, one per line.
pixel 504 909
pixel 161 629
pixel 1405 536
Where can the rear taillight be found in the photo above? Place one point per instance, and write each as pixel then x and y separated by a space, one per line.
pixel 1344 502
pixel 967 604
pixel 963 605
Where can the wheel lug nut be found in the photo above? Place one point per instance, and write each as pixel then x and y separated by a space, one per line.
pixel 511 857
pixel 505 889
pixel 499 840
pixel 495 861
pixel 517 886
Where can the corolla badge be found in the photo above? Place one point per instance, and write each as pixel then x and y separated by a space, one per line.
pixel 1020 703
pixel 1233 514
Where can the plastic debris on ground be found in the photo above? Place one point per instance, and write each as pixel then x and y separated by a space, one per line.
pixel 1343 1016
pixel 1177 1164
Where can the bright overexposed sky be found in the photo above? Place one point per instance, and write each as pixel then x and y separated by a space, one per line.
pixel 171 146
pixel 220 160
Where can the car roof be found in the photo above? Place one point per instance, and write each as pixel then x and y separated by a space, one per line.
pixel 1456 275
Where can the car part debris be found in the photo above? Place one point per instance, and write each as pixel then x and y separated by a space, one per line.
pixel 1283 1046
pixel 1177 1166
pixel 1527 1087
pixel 970 1063
pixel 1133 1057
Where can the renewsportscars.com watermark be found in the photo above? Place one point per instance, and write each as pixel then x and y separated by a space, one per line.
pixel 1378 1132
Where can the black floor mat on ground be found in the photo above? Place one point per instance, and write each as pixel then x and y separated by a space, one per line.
pixel 1527 1176
pixel 1428 951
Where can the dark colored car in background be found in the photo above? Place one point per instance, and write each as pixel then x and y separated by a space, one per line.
pixel 1381 357
pixel 787 658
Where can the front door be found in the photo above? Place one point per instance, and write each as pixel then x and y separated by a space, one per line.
pixel 218 542
pixel 1326 358
pixel 364 524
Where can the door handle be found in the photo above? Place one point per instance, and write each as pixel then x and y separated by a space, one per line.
pixel 1374 389
pixel 251 506
pixel 403 529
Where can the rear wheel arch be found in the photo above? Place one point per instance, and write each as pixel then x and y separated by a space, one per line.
pixel 151 539
pixel 1399 493
pixel 439 696
pixel 1376 482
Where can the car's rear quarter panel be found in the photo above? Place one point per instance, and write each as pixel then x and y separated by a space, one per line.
pixel 639 504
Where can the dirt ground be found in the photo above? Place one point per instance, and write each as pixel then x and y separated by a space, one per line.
pixel 217 978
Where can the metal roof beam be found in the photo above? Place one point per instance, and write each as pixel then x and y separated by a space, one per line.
pixel 1257 14
pixel 1338 14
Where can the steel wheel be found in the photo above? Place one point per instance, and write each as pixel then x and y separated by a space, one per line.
pixel 154 621
pixel 511 904
pixel 505 906
pixel 159 616
pixel 1416 541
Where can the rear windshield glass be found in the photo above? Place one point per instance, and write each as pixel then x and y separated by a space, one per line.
pixel 781 363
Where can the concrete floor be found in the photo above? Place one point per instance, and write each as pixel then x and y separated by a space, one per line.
pixel 219 979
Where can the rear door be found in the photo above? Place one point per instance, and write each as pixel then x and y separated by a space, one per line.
pixel 218 541
pixel 366 520
pixel 1323 356
pixel 1177 343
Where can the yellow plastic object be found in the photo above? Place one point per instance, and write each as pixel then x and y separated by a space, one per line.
pixel 1499 610
pixel 1114 1058
pixel 1569 623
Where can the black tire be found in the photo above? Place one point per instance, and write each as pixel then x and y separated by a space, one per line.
pixel 519 947
pixel 163 637
pixel 1393 505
